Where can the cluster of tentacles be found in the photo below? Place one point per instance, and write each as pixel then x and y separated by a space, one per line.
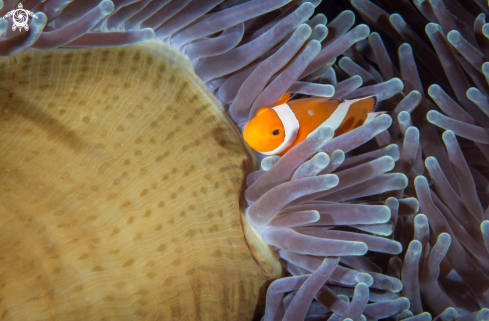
pixel 367 229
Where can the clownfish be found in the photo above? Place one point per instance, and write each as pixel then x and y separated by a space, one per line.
pixel 274 131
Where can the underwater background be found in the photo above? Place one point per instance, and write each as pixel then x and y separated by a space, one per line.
pixel 128 192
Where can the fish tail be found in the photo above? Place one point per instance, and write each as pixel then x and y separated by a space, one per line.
pixel 371 103
pixel 365 105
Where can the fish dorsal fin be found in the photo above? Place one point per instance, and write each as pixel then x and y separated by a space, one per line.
pixel 262 110
pixel 285 98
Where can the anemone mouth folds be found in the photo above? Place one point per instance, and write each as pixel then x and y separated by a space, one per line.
pixel 122 190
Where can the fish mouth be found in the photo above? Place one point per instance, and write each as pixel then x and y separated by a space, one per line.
pixel 250 140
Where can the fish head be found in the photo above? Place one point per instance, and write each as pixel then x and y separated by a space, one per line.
pixel 265 132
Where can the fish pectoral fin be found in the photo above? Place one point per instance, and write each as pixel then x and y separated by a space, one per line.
pixel 372 116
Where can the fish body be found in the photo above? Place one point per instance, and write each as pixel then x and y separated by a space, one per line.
pixel 274 131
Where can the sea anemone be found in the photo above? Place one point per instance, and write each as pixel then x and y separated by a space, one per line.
pixel 445 266
pixel 339 214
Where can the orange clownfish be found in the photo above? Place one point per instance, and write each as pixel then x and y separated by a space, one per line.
pixel 273 131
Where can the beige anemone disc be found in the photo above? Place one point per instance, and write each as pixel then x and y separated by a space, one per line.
pixel 121 184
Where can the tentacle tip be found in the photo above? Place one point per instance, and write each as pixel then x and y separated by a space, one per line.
pixel 362 289
pixel 473 93
pixel 397 249
pixel 393 151
pixel 417 95
pixel 331 180
pixel 485 227
pixel 430 162
pixel 375 36
pixel 392 202
pixel 432 116
pixel 415 247
pixel 325 132
pixel 338 154
pixel 404 181
pixel 343 60
pixel 361 31
pixel 420 180
pixel 432 28
pixel 322 158
pixel 147 34
pixel 359 248
pixel 404 116
pixel 348 13
pixel 421 219
pixel 329 91
pixel 355 3
pixel 397 82
pixel 485 30
pixel 315 47
pixel 316 216
pixel 454 36
pixel 306 9
pixel 365 279
pixel 386 215
pixel 106 7
pixel 483 314
pixel 40 21
pixel 413 131
pixel 384 119
pixel 445 238
pixel 434 90
pixel 448 135
pixel 3 25
pixel 395 16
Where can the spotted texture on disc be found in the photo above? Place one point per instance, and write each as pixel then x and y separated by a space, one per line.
pixel 121 185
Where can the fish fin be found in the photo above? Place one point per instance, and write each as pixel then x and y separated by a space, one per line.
pixel 285 98
pixel 371 103
pixel 366 104
pixel 262 110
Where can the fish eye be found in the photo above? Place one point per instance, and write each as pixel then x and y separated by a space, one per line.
pixel 276 132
